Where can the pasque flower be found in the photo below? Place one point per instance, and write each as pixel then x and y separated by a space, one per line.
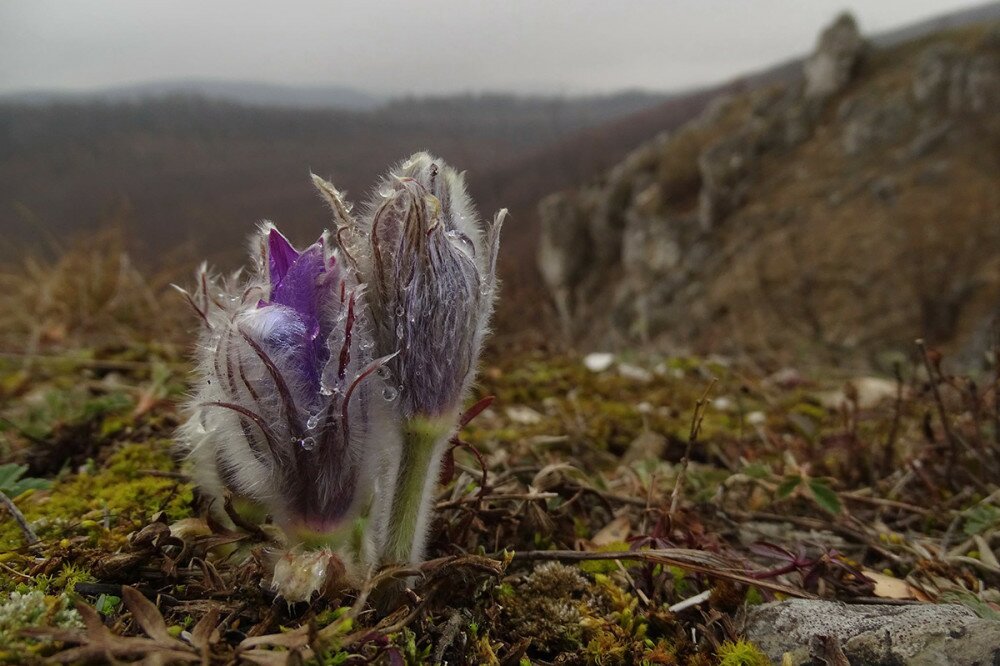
pixel 430 269
pixel 290 413
pixel 330 379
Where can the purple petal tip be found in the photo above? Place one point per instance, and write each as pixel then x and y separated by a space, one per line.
pixel 281 255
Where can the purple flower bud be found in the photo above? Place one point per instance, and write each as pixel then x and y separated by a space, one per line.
pixel 288 395
pixel 430 267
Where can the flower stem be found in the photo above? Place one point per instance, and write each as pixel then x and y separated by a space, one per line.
pixel 417 477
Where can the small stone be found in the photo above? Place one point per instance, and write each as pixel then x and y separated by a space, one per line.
pixel 648 445
pixel 635 373
pixel 724 404
pixel 785 378
pixel 523 415
pixel 869 391
pixel 598 361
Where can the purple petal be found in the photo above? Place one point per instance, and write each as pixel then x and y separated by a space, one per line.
pixel 280 254
pixel 299 288
pixel 296 283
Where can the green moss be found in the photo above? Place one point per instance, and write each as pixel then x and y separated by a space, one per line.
pixel 606 566
pixel 21 610
pixel 741 653
pixel 106 503
pixel 546 608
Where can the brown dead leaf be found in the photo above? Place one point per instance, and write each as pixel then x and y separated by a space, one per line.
pixel 887 587
pixel 617 531
pixel 147 616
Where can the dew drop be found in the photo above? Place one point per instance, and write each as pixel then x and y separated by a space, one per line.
pixel 399 310
pixel 399 331
pixel 385 191
pixel 307 443
pixel 389 393
pixel 313 421
pixel 462 242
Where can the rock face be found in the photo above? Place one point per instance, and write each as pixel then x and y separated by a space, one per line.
pixel 838 210
pixel 837 54
pixel 920 635
pixel 949 80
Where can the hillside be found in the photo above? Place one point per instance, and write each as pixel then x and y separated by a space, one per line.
pixel 188 176
pixel 845 213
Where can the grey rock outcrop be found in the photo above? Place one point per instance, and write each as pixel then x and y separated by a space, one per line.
pixel 920 635
pixel 870 122
pixel 837 54
pixel 564 252
pixel 769 218
pixel 950 80
pixel 725 169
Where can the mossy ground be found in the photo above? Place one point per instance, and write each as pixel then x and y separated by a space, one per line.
pixel 579 548
pixel 771 463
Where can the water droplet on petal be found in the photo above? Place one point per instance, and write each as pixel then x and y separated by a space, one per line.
pixel 462 242
pixel 399 310
pixel 389 393
pixel 313 421
pixel 307 443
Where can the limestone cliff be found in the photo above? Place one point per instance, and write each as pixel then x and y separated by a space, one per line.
pixel 851 211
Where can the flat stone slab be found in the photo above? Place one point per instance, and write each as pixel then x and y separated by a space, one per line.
pixel 876 635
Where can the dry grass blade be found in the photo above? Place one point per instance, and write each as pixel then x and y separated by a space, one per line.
pixel 696 420
pixel 147 615
pixel 695 561
pixel 29 534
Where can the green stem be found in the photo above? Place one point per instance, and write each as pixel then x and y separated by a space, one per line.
pixel 420 439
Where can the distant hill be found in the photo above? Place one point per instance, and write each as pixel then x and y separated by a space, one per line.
pixel 984 13
pixel 193 174
pixel 240 92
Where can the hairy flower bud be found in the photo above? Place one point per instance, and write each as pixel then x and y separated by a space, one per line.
pixel 288 401
pixel 430 267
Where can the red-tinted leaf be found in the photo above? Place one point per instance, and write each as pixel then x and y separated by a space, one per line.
pixel 766 549
pixel 476 410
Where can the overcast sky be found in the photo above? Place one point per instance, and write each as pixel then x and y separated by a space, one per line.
pixel 420 46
